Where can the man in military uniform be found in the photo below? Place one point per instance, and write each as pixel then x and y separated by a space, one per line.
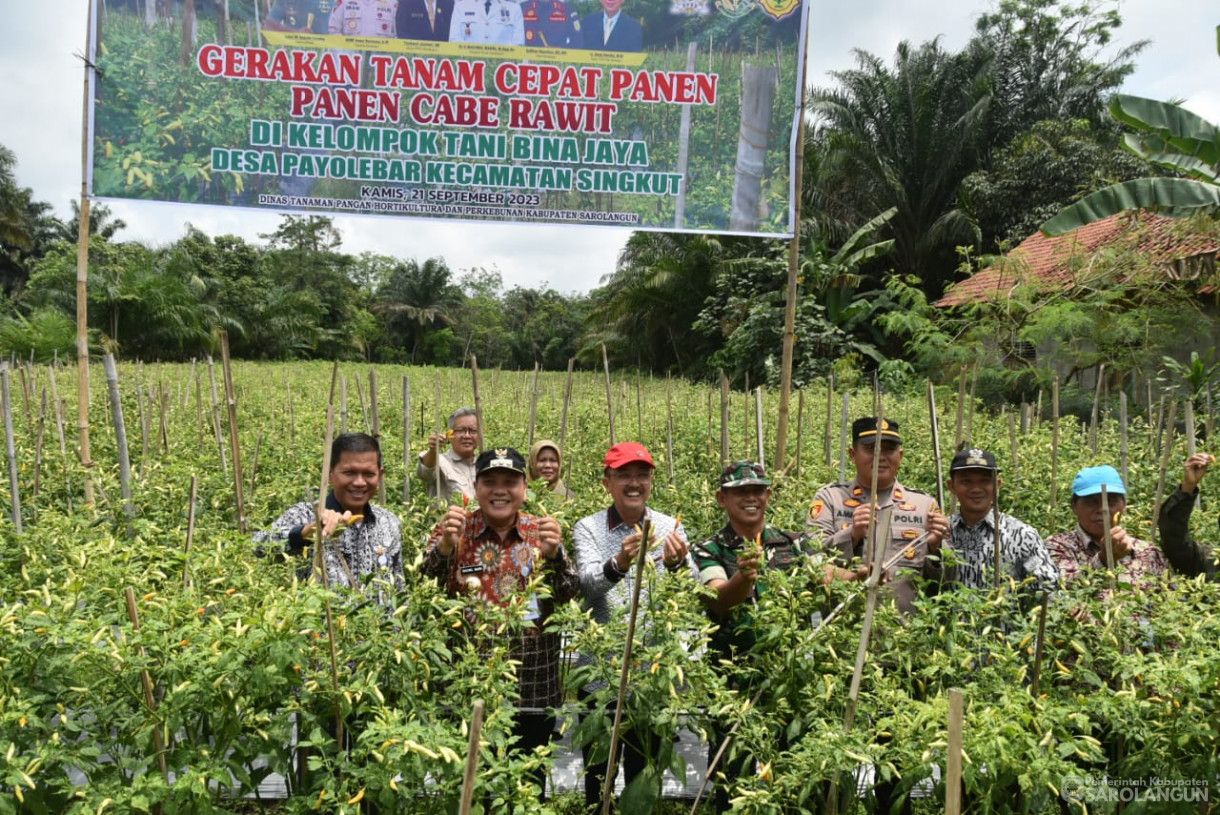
pixel 551 24
pixel 364 18
pixel 487 21
pixel 840 513
pixel 426 20
pixel 306 16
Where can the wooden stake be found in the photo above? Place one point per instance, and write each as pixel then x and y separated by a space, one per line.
pixel 669 429
pixel 800 428
pixel 406 440
pixel 220 445
pixel 974 385
pixel 1054 442
pixel 639 408
pixel 1108 548
pixel 342 404
pixel 258 445
pixel 164 409
pixel 633 612
pixel 198 408
pixel 190 532
pixel 10 448
pixel 478 401
pixel 934 423
pixel 143 420
pixel 472 758
pixel 758 427
pixel 1190 425
pixel 1040 645
pixel 1013 453
pixel 724 420
pixel 1124 448
pixel 1165 452
pixel 997 530
pixel 961 410
pixel 828 441
pixel 57 410
pixel 533 408
pixel 843 421
pixel 234 441
pixel 376 425
pixel 364 413
pixel 609 396
pixel 120 435
pixel 1094 417
pixel 953 771
pixel 567 398
pixel 150 696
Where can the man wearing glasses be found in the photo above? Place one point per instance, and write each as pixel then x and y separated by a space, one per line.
pixel 457 464
pixel 607 545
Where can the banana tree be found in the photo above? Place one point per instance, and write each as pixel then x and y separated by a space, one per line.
pixel 1170 137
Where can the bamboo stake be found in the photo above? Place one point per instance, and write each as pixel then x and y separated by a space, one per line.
pixel 220 445
pixel 567 398
pixel 82 270
pixel 974 384
pixel 1026 407
pixel 440 429
pixel 1124 446
pixel 669 429
pixel 1013 454
pixel 612 762
pixel 1054 441
pixel 198 409
pixel 1040 645
pixel 843 437
pixel 800 428
pixel 997 531
pixel 343 404
pixel 150 696
pixel 828 440
pixel 472 758
pixel 758 427
pixel 639 408
pixel 1165 451
pixel 934 422
pixel 10 448
pixel 234 442
pixel 376 426
pixel 1211 419
pixel 1190 425
pixel 364 413
pixel 42 424
pixel 164 407
pixel 961 410
pixel 25 393
pixel 406 440
pixel 1094 417
pixel 533 407
pixel 319 562
pixel 953 770
pixel 120 435
pixel 1109 542
pixel 609 397
pixel 143 420
pixel 724 420
pixel 190 532
pixel 478 400
pixel 258 445
pixel 57 410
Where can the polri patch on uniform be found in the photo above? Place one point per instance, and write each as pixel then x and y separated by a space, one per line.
pixel 907 507
pixel 910 534
pixel 816 509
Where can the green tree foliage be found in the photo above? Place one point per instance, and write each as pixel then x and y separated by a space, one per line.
pixel 417 300
pixel 27 227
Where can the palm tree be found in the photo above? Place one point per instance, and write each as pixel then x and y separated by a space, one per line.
pixel 416 297
pixel 1170 137
pixel 902 137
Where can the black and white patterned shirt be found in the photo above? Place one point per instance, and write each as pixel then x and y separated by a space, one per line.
pixel 1022 552
pixel 371 547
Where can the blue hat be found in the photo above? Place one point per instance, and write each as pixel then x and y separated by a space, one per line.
pixel 1090 480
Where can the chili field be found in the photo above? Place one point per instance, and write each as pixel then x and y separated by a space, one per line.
pixel 137 675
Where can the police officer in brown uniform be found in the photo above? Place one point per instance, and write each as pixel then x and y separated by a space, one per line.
pixel 840 512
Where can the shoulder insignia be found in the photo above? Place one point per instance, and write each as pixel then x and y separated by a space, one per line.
pixel 898 494
pixel 816 509
pixel 858 491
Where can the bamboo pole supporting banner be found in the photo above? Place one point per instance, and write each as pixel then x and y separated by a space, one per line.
pixel 567 400
pixel 190 532
pixel 478 401
pixel 934 423
pixel 641 559
pixel 82 270
pixel 609 395
pixel 724 420
pixel 953 758
pixel 150 696
pixel 10 447
pixel 376 427
pixel 472 758
pixel 220 445
pixel 234 441
pixel 120 434
pixel 406 440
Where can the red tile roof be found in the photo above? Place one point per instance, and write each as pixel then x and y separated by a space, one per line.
pixel 1052 261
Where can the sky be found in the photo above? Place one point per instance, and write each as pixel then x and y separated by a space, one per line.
pixel 40 121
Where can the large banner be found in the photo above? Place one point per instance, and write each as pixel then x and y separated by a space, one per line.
pixel 646 114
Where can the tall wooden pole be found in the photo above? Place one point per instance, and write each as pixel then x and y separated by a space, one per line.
pixel 82 274
pixel 10 448
pixel 609 395
pixel 234 442
pixel 120 434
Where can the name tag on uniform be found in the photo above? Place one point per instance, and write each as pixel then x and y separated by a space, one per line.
pixel 476 568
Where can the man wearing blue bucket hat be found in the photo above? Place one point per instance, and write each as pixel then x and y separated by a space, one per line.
pixel 1084 547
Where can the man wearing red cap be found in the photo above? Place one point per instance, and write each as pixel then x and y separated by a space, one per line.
pixel 607 545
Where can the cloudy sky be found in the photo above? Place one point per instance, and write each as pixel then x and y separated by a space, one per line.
pixel 40 120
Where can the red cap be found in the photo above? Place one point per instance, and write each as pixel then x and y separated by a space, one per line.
pixel 628 452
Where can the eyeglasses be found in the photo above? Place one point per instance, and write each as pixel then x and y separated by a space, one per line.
pixel 643 478
pixel 465 431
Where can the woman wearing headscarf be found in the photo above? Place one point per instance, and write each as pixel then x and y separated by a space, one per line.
pixel 546 464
